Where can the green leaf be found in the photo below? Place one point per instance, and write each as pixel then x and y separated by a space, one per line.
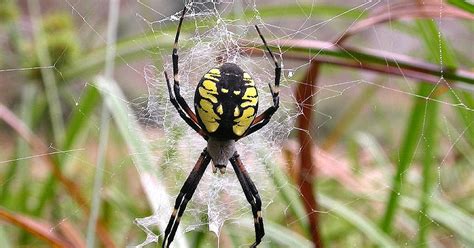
pixel 287 191
pixel 360 222
pixel 140 152
pixel 447 215
pixel 19 168
pixel 406 153
pixel 462 4
pixel 281 235
pixel 81 115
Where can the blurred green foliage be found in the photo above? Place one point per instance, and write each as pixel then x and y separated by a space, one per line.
pixel 397 173
pixel 62 43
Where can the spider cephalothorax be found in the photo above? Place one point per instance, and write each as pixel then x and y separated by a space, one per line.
pixel 226 103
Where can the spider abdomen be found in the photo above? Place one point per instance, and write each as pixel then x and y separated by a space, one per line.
pixel 226 102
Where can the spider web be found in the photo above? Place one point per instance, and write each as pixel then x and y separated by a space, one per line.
pixel 210 36
pixel 218 198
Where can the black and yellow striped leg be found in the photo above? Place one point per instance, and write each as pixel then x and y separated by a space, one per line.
pixel 252 196
pixel 183 115
pixel 179 98
pixel 261 120
pixel 185 194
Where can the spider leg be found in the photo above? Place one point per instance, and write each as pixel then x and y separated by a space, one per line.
pixel 252 196
pixel 181 100
pixel 261 120
pixel 185 194
pixel 183 115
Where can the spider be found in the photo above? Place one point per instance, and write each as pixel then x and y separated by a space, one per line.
pixel 226 103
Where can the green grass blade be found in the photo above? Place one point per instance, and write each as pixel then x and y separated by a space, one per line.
pixel 284 236
pixel 407 151
pixel 430 149
pixel 77 125
pixel 442 52
pixel 466 115
pixel 447 215
pixel 370 229
pixel 129 129
pixel 81 115
pixel 281 235
pixel 287 191
pixel 99 177
pixel 4 239
pixel 19 168
pixel 49 80
pixel 104 124
pixel 463 4
pixel 455 219
pixel 47 192
pixel 443 213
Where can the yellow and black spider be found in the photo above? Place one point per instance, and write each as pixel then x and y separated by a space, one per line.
pixel 226 103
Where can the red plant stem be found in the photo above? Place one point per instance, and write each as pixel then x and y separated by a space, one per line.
pixel 304 97
pixel 416 73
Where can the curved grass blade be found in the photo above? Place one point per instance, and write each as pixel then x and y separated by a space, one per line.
pixel 128 126
pixel 371 230
pixel 36 228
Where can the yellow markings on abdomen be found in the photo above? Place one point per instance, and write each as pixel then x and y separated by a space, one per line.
pixel 204 93
pixel 208 116
pixel 236 112
pixel 242 98
pixel 215 71
pixel 213 74
pixel 211 77
pixel 243 122
pixel 250 97
pixel 210 86
pixel 248 80
pixel 245 112
pixel 220 111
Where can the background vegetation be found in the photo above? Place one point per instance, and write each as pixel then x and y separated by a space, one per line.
pixel 391 166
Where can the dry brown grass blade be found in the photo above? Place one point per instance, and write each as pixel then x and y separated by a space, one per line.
pixel 304 97
pixel 39 147
pixel 69 231
pixel 39 229
pixel 385 69
pixel 406 10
